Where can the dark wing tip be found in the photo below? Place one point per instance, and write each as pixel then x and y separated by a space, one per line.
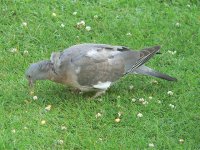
pixel 157 47
pixel 174 79
pixel 153 50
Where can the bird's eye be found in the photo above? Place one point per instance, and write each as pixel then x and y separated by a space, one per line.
pixel 29 76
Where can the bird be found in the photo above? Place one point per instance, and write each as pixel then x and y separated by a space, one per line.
pixel 94 67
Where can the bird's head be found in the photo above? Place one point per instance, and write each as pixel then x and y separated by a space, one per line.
pixel 38 71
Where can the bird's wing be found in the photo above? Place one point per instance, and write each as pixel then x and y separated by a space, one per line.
pixel 99 65
pixel 79 50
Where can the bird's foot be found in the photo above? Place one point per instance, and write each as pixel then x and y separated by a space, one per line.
pixel 99 93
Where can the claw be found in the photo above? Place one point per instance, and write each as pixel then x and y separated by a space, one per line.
pixel 31 83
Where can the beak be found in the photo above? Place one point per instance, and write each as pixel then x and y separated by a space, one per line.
pixel 30 82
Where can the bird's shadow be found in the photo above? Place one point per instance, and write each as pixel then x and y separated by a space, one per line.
pixel 62 93
pixel 142 85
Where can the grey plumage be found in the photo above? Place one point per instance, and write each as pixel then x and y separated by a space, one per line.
pixel 94 67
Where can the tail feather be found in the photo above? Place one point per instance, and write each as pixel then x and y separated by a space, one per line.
pixel 150 72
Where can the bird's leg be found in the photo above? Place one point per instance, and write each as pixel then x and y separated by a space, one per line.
pixel 74 90
pixel 99 93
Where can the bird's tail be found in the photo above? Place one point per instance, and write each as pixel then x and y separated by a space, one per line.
pixel 150 72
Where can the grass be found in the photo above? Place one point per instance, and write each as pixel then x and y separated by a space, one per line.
pixel 172 24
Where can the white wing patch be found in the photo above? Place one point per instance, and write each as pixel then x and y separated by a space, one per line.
pixel 91 53
pixel 102 86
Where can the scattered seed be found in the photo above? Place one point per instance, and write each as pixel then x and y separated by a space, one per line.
pixel 63 128
pixel 80 24
pixel 95 16
pixel 24 24
pixel 151 145
pixel 35 97
pixel 170 93
pixel 159 102
pixel 139 115
pixel 181 141
pixel 74 13
pixel 62 25
pixel 98 115
pixel 13 131
pixel 25 52
pixel 119 114
pixel 43 122
pixel 178 24
pixel 133 100
pixel 145 102
pixel 100 99
pixel 128 34
pixel 60 142
pixel 150 97
pixel 54 14
pixel 48 108
pixel 154 81
pixel 88 28
pixel 131 87
pixel 117 120
pixel 188 5
pixel 171 105
pixel 13 50
pixel 172 52
pixel 141 100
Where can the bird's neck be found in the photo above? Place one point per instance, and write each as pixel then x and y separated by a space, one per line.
pixel 54 76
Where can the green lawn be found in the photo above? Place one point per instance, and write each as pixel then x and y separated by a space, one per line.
pixel 27 25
